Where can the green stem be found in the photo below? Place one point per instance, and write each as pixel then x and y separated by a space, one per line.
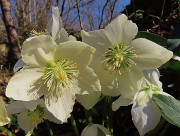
pixel 110 116
pixel 88 117
pixel 6 131
pixel 73 122
pixel 49 128
pixel 107 116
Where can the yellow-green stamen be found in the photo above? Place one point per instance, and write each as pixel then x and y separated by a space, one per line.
pixel 118 58
pixel 61 76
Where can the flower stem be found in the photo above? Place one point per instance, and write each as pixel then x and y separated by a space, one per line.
pixel 107 116
pixel 6 131
pixel 73 122
pixel 49 128
pixel 88 116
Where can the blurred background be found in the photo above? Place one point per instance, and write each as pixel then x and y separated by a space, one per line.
pixel 19 17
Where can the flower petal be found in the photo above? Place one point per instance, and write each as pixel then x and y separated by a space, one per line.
pixel 49 116
pixel 145 117
pixel 88 81
pixel 99 40
pixel 88 100
pixel 108 83
pixel 38 50
pixel 149 54
pixel 121 30
pixel 153 77
pixel 64 102
pixel 31 105
pixel 21 106
pixel 16 107
pixel 26 85
pixel 129 84
pixel 62 36
pixel 55 23
pixel 121 101
pixel 4 119
pixel 19 64
pixel 78 52
pixel 90 131
pixel 105 130
pixel 24 123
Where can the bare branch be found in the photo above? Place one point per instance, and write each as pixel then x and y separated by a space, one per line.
pixel 79 15
pixel 102 13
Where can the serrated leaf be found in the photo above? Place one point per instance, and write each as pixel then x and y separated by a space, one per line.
pixel 152 37
pixel 169 107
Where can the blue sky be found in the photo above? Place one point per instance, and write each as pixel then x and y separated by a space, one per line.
pixel 97 9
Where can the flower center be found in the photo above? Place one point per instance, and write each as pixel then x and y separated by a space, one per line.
pixel 35 117
pixel 118 58
pixel 61 76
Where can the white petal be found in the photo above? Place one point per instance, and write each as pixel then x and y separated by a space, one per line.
pixel 60 105
pixel 19 64
pixel 90 131
pixel 89 100
pixel 145 117
pixel 38 50
pixel 72 38
pixel 78 52
pixel 21 106
pixel 130 30
pixel 26 85
pixel 88 81
pixel 115 29
pixel 153 77
pixel 129 83
pixel 97 39
pixel 49 116
pixel 121 101
pixel 24 123
pixel 62 36
pixel 55 23
pixel 149 54
pixel 108 82
pixel 121 30
pixel 4 119
pixel 16 107
pixel 31 105
pixel 105 130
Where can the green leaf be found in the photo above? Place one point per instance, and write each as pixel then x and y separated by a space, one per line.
pixel 173 64
pixel 152 37
pixel 169 107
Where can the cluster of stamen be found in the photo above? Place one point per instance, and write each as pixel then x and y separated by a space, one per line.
pixel 61 76
pixel 118 58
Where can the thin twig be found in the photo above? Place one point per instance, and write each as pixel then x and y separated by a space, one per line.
pixel 79 15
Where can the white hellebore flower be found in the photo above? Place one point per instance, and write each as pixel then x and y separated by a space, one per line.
pixel 55 29
pixel 31 113
pixel 95 130
pixel 145 114
pixel 119 58
pixel 57 72
pixel 4 119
